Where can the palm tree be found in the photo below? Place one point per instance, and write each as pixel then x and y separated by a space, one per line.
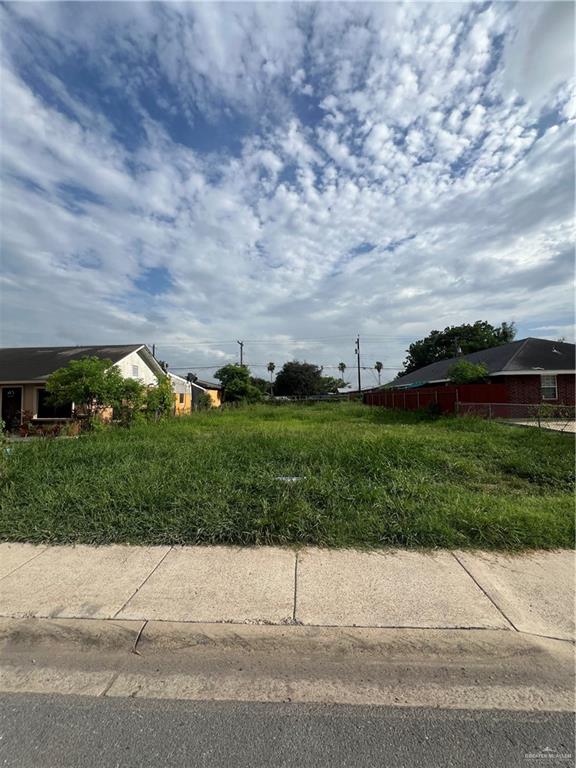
pixel 342 368
pixel 271 368
pixel 379 367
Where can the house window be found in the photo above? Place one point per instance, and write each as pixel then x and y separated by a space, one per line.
pixel 548 388
pixel 135 371
pixel 181 398
pixel 45 410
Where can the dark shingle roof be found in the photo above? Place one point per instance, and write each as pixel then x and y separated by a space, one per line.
pixel 37 363
pixel 208 384
pixel 524 355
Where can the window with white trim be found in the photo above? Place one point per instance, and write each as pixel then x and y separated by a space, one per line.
pixel 548 388
pixel 135 371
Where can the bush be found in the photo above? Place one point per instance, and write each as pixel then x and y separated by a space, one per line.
pixel 204 402
pixel 160 399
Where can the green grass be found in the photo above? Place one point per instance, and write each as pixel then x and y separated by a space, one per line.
pixel 371 478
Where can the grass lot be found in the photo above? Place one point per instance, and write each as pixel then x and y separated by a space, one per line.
pixel 370 478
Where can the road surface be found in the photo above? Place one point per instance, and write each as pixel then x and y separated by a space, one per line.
pixel 52 731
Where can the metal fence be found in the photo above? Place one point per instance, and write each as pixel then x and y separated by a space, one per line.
pixel 560 418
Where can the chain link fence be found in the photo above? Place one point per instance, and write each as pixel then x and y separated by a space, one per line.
pixel 560 418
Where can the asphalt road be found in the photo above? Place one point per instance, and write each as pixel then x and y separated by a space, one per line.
pixel 46 731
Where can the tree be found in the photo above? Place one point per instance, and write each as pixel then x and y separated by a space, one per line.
pixel 271 368
pixel 378 366
pixel 133 395
pixel 298 379
pixel 464 372
pixel 342 369
pixel 261 385
pixel 91 383
pixel 160 398
pixel 237 384
pixel 454 340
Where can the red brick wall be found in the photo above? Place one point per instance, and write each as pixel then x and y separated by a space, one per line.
pixel 566 389
pixel 526 389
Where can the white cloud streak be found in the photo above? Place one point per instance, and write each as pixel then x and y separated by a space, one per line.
pixel 392 172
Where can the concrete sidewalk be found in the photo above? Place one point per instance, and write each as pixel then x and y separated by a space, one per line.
pixel 531 593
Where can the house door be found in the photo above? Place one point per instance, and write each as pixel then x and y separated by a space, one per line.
pixel 11 406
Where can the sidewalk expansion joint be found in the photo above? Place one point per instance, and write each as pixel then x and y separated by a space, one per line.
pixel 481 588
pixel 23 564
pixel 295 588
pixel 158 564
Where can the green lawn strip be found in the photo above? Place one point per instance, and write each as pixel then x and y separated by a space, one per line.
pixel 368 478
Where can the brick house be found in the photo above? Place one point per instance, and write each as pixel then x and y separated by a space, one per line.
pixel 528 371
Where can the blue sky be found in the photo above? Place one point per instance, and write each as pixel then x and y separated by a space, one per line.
pixel 291 174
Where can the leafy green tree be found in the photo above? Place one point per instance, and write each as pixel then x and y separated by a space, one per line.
pixel 133 396
pixel 464 372
pixel 298 379
pixel 160 399
pixel 237 384
pixel 204 402
pixel 261 385
pixel 330 385
pixel 455 340
pixel 90 382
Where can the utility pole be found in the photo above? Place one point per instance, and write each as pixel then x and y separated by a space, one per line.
pixel 357 353
pixel 154 351
pixel 241 352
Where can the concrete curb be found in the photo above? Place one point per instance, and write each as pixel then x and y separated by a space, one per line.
pixel 487 669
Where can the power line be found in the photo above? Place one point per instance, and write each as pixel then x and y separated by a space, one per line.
pixel 265 365
pixel 369 339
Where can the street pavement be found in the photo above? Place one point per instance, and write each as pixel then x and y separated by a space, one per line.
pixel 84 732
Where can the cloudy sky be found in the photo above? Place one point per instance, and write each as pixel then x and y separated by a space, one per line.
pixel 287 174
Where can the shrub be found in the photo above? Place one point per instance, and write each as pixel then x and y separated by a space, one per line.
pixel 160 399
pixel 204 402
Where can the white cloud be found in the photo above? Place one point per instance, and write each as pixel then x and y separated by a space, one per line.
pixel 422 191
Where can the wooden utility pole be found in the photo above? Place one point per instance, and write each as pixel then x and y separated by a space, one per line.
pixel 357 353
pixel 241 352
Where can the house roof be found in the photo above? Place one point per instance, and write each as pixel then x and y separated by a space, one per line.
pixel 524 356
pixel 21 364
pixel 181 380
pixel 208 384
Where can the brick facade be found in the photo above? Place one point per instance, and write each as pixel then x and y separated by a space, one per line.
pixel 526 389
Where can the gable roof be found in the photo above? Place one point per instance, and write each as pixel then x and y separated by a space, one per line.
pixel 180 381
pixel 21 364
pixel 524 356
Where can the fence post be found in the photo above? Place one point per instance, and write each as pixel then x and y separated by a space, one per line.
pixel 417 400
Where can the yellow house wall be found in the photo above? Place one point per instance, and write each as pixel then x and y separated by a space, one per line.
pixel 181 409
pixel 215 397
